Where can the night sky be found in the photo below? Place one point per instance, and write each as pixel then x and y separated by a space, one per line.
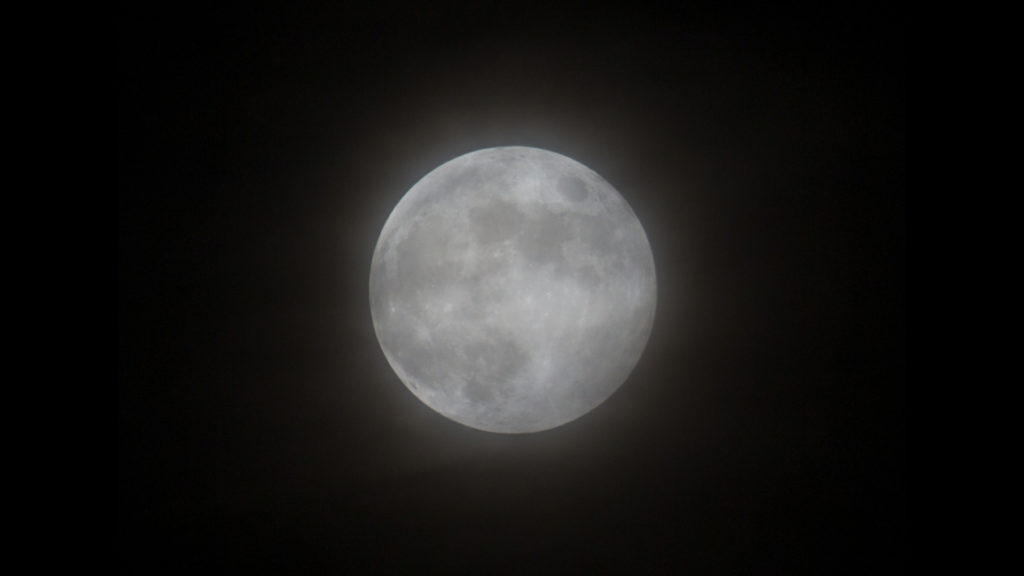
pixel 259 153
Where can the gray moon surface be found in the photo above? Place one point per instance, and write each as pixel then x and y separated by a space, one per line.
pixel 512 289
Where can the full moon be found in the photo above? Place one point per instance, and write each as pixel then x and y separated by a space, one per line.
pixel 512 289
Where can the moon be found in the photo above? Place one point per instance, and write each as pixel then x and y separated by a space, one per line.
pixel 512 289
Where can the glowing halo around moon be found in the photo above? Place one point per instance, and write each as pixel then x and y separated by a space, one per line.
pixel 512 289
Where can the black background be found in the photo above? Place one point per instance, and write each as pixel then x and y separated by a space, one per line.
pixel 261 149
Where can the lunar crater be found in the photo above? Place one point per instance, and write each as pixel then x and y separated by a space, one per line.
pixel 573 188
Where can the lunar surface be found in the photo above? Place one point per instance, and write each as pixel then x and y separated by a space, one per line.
pixel 512 290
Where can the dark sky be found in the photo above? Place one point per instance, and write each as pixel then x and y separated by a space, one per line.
pixel 259 153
